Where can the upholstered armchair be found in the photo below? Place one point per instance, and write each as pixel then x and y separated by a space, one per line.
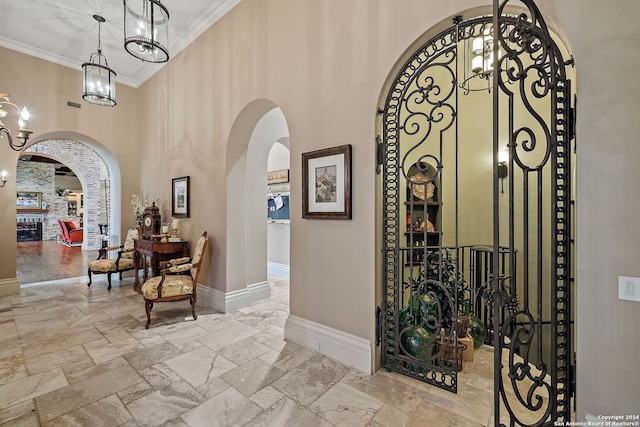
pixel 70 235
pixel 123 261
pixel 177 281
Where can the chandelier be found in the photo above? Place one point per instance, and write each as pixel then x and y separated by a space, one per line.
pixel 146 30
pixel 23 132
pixel 479 60
pixel 99 81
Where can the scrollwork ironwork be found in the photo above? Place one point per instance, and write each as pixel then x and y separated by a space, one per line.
pixel 419 108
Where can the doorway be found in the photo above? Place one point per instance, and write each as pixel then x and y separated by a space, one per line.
pixel 469 237
pixel 98 197
pixel 278 209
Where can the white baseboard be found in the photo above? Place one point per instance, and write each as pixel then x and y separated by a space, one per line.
pixel 279 270
pixel 9 286
pixel 341 346
pixel 227 302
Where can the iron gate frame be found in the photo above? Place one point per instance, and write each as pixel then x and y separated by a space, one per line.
pixel 522 34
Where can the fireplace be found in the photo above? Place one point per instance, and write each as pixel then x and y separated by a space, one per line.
pixel 29 231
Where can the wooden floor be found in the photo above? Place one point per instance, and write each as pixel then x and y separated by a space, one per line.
pixel 49 260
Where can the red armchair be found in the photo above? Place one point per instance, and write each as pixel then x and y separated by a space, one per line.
pixel 69 234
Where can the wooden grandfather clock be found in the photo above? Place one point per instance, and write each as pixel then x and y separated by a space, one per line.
pixel 151 221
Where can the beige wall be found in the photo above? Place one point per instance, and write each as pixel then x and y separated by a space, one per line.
pixel 45 88
pixel 324 63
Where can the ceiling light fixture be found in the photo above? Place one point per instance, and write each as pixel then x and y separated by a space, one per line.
pixel 146 30
pixel 23 132
pixel 99 81
pixel 480 60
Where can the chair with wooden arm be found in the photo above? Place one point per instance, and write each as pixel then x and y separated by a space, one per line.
pixel 178 280
pixel 123 261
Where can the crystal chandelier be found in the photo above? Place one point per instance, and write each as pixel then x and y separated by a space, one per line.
pixel 146 30
pixel 99 81
pixel 23 132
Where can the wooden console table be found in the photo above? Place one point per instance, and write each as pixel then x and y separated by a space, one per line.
pixel 149 254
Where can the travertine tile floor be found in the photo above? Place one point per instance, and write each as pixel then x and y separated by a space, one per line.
pixel 77 356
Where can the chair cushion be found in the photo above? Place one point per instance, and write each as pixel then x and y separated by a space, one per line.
pixel 173 285
pixel 109 265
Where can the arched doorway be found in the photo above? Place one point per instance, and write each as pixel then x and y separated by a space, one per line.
pixel 257 128
pixel 453 241
pixel 99 175
pixel 278 209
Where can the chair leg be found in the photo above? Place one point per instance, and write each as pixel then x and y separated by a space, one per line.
pixel 193 300
pixel 121 276
pixel 89 272
pixel 109 280
pixel 147 306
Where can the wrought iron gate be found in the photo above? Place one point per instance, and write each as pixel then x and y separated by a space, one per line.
pixel 431 273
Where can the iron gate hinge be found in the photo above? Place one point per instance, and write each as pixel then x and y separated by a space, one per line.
pixel 573 378
pixel 378 325
pixel 379 154
pixel 572 123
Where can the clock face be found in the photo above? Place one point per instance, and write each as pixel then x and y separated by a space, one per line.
pixel 147 221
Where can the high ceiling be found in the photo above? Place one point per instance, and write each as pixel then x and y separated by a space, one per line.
pixel 65 32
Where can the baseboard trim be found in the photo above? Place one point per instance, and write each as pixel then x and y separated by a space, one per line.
pixel 9 286
pixel 227 302
pixel 279 270
pixel 341 346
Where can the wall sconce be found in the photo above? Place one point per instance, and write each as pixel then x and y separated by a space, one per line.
pixel 23 132
pixel 3 178
pixel 503 169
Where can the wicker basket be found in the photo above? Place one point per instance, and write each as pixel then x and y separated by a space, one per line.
pixel 450 357
pixel 463 322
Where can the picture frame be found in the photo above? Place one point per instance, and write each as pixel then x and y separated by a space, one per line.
pixel 28 200
pixel 180 197
pixel 278 177
pixel 326 183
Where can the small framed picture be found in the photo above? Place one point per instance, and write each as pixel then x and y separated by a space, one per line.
pixel 326 183
pixel 180 197
pixel 44 205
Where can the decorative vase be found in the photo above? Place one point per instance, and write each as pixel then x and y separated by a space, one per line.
pixel 477 331
pixel 417 342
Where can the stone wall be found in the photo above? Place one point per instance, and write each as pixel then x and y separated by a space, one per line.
pixel 90 170
pixel 40 178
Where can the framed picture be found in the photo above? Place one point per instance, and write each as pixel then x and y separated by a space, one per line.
pixel 278 177
pixel 326 183
pixel 28 200
pixel 180 197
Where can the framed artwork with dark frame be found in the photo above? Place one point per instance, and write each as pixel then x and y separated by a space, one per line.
pixel 326 183
pixel 180 197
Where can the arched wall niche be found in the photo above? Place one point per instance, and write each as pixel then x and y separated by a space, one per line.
pixel 91 162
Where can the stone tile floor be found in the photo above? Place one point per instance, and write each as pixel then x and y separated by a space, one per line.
pixel 72 355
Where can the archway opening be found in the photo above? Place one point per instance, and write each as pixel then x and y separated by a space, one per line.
pixel 278 210
pixel 95 208
pixel 258 127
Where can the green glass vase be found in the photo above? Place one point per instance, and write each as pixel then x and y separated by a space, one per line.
pixel 477 331
pixel 418 343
